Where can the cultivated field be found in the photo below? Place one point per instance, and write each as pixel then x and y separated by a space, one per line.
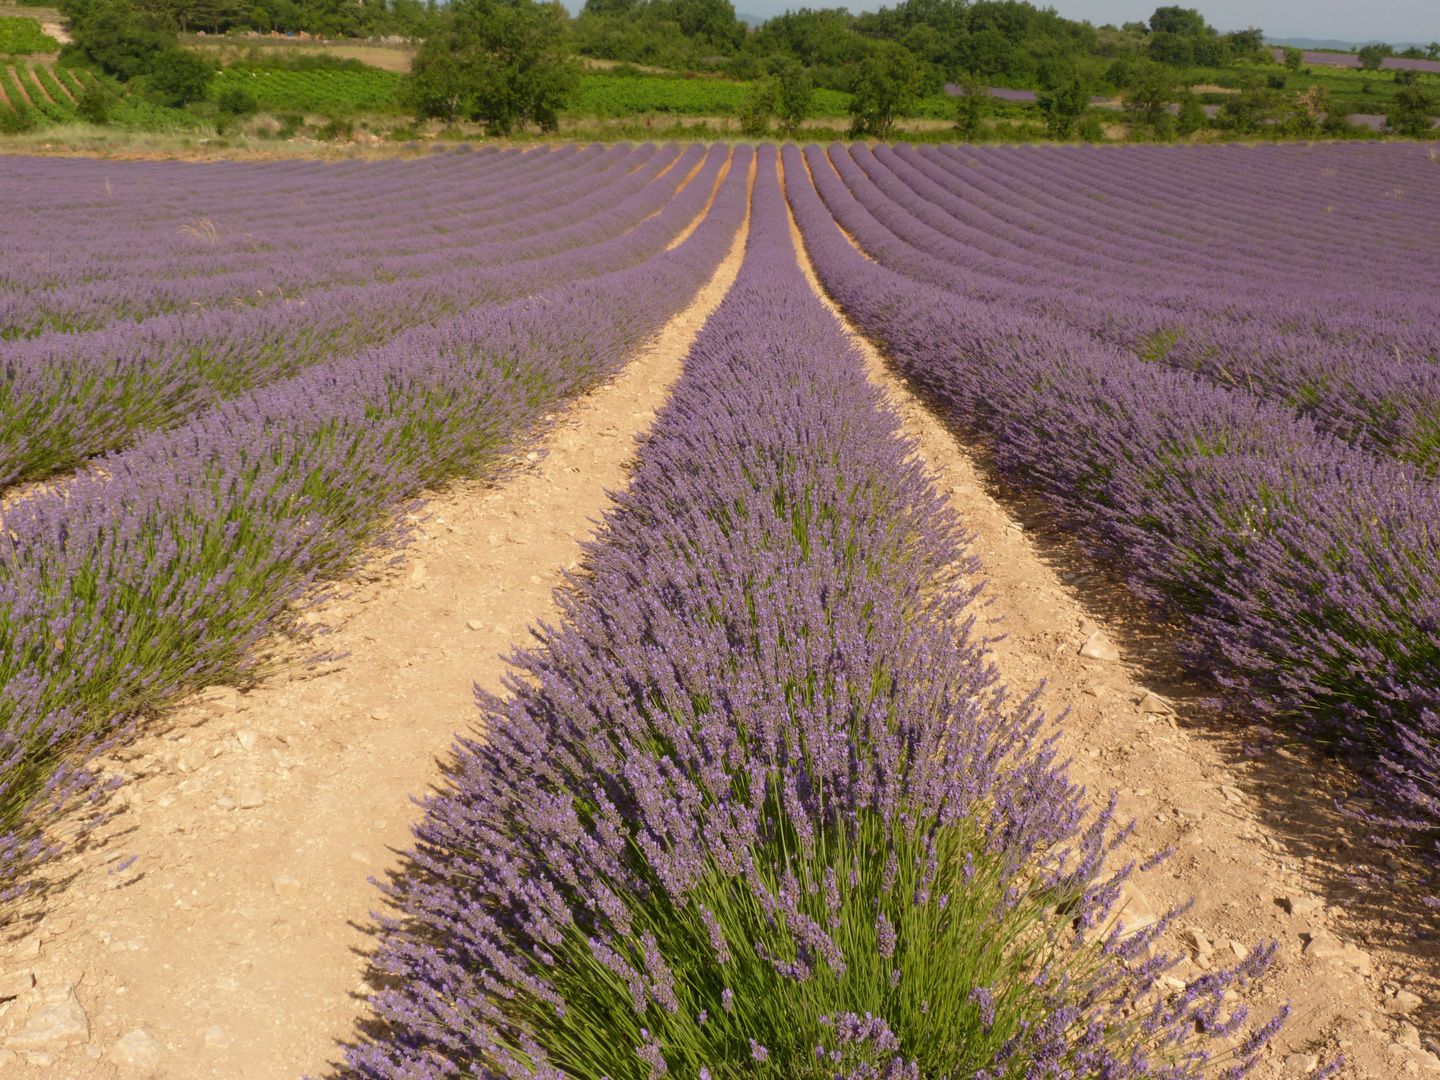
pixel 865 611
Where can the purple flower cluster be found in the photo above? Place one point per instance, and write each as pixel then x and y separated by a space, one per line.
pixel 1306 570
pixel 158 571
pixel 757 804
pixel 69 396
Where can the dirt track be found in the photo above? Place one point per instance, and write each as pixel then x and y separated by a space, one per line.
pixel 238 938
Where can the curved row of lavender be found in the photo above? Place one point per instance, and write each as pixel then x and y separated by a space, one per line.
pixel 1369 378
pixel 757 807
pixel 159 570
pixel 1306 571
pixel 69 397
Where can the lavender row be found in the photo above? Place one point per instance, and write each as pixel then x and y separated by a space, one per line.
pixel 1387 404
pixel 58 410
pixel 1306 572
pixel 757 807
pixel 162 570
pixel 202 267
pixel 246 267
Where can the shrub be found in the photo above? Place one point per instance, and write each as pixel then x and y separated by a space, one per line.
pixel 179 77
pixel 1192 117
pixel 94 106
pixel 238 101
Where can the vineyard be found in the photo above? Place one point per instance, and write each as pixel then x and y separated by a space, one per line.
pixel 366 90
pixel 757 799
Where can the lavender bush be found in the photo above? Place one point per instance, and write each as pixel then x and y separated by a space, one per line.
pixel 158 572
pixel 758 806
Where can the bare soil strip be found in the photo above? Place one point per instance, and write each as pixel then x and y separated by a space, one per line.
pixel 1253 837
pixel 237 941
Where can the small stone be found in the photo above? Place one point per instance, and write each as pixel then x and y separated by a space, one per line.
pixel 1325 946
pixel 28 948
pixel 286 886
pixel 360 856
pixel 217 1038
pixel 1300 905
pixel 58 1022
pixel 1087 627
pixel 379 714
pixel 225 803
pixel 246 739
pixel 475 624
pixel 94 1052
pixel 1099 647
pixel 1191 812
pixel 1153 703
pixel 138 1053
pixel 7 1057
pixel 1403 1003
pixel 41 1058
pixel 250 798
pixel 1232 794
pixel 1300 1064
pixel 1238 950
pixel 1198 942
pixel 15 983
pixel 417 575
pixel 1407 1035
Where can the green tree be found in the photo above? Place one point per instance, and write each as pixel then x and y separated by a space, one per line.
pixel 1432 51
pixel 971 105
pixel 94 105
pixel 1250 108
pixel 1150 92
pixel 1062 107
pixel 758 108
pixel 1192 117
pixel 179 77
pixel 124 42
pixel 1187 22
pixel 499 62
pixel 1411 112
pixel 1372 56
pixel 1171 48
pixel 796 98
pixel 1294 58
pixel 886 86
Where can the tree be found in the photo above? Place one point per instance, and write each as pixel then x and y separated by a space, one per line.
pixel 500 62
pixel 971 105
pixel 94 105
pixel 1294 58
pixel 1411 111
pixel 1432 51
pixel 1186 22
pixel 1250 108
pixel 1063 107
pixel 796 97
pixel 179 78
pixel 1151 90
pixel 1246 42
pixel 886 85
pixel 1192 115
pixel 1372 56
pixel 1171 48
pixel 123 41
pixel 758 107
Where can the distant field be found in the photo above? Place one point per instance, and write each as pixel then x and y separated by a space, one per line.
pixel 314 91
pixel 389 58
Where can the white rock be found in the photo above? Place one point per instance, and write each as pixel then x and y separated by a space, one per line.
pixel 246 739
pixel 43 1058
pixel 1300 1064
pixel 7 1057
pixel 286 886
pixel 1238 950
pixel 379 714
pixel 1099 647
pixel 1197 941
pixel 1300 905
pixel 360 856
pixel 1232 794
pixel 1325 946
pixel 475 624
pixel 139 1053
pixel 1406 1035
pixel 28 948
pixel 1154 703
pixel 417 574
pixel 217 1038
pixel 225 803
pixel 16 983
pixel 250 798
pixel 59 1022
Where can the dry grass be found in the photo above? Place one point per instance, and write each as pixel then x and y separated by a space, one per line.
pixel 227 50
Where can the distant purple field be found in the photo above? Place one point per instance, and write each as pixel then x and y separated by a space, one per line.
pixel 1349 60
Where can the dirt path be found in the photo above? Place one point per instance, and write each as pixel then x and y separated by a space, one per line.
pixel 236 941
pixel 1187 782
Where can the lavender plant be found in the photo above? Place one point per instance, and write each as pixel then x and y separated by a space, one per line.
pixel 758 807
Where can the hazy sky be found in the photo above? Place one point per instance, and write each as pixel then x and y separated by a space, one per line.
pixel 1345 20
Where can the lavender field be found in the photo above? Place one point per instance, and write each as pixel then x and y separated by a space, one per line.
pixel 758 804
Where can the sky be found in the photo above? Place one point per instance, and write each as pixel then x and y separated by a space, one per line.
pixel 1342 20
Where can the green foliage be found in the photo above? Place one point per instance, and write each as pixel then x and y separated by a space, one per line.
pixel 1294 58
pixel 237 100
pixel 1192 116
pixel 1187 22
pixel 1412 111
pixel 1063 107
pixel 1251 107
pixel 971 105
pixel 786 94
pixel 1151 90
pixel 675 33
pixel 886 87
pixel 758 107
pixel 1275 80
pixel 1371 56
pixel 178 78
pixel 500 62
pixel 1092 128
pixel 124 42
pixel 21 36
pixel 94 105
